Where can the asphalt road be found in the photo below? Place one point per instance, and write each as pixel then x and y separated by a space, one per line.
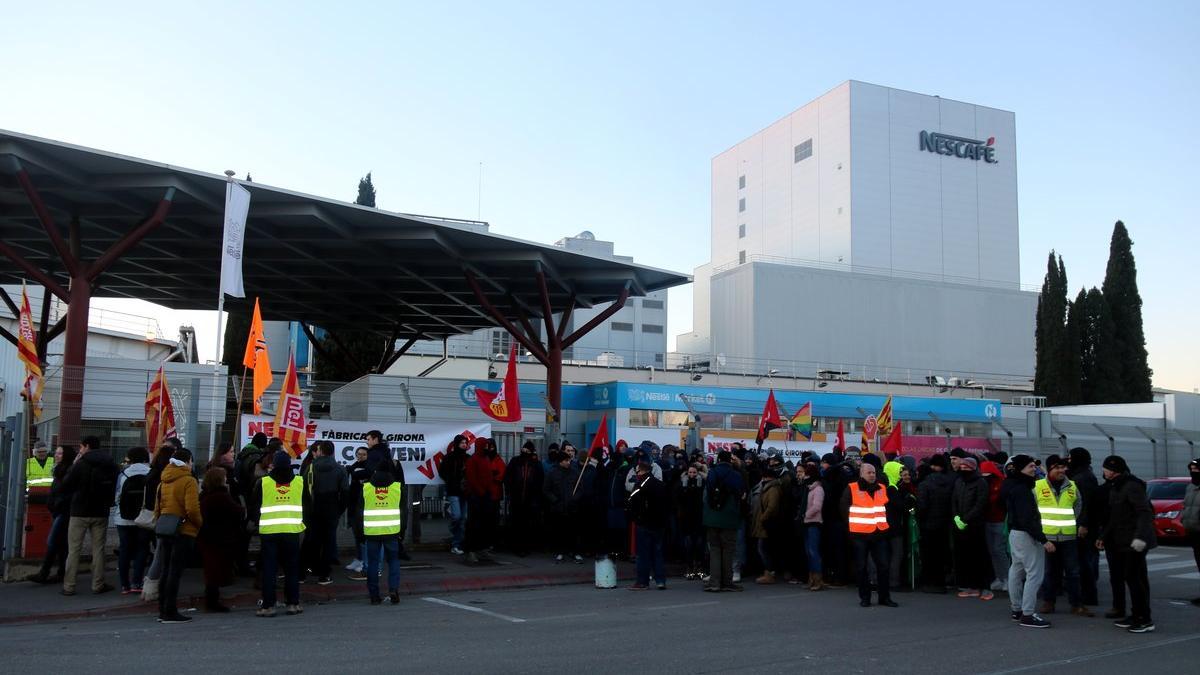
pixel 681 630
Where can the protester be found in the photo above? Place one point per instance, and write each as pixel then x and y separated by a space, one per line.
pixel 59 505
pixel 1027 541
pixel 39 473
pixel 178 522
pixel 897 517
pixel 1190 516
pixel 359 474
pixel 689 515
pixel 1060 505
pixel 997 539
pixel 325 484
pixel 247 459
pixel 864 505
pixel 224 459
pixel 1129 533
pixel 767 518
pixel 612 493
pixel 219 535
pixel 523 478
pixel 133 541
pixel 92 483
pixel 723 490
pixel 648 510
pixel 453 471
pixel 562 506
pixel 383 510
pixel 485 488
pixel 970 501
pixel 160 461
pixel 813 510
pixel 280 496
pixel 1079 470
pixel 935 496
pixel 834 481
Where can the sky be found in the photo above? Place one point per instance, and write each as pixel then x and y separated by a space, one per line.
pixel 605 116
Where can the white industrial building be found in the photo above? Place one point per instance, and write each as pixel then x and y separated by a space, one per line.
pixel 873 231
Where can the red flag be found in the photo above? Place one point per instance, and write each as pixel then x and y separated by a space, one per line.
pixel 160 413
pixel 769 420
pixel 291 422
pixel 894 442
pixel 27 353
pixel 504 405
pixel 841 437
pixel 601 438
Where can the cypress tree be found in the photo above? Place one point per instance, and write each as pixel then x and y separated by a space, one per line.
pixel 1072 354
pixel 1050 335
pixel 1042 331
pixel 1100 377
pixel 1125 309
pixel 366 191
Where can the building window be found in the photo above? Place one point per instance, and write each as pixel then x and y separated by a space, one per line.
pixel 673 418
pixel 501 342
pixel 652 304
pixel 741 231
pixel 803 151
pixel 622 326
pixel 741 204
pixel 652 328
pixel 658 358
pixel 643 418
pixel 741 257
pixel 741 182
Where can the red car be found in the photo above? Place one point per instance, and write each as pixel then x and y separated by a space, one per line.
pixel 1166 496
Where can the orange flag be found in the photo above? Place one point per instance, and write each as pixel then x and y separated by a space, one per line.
pixel 160 412
pixel 291 423
pixel 256 358
pixel 504 405
pixel 27 352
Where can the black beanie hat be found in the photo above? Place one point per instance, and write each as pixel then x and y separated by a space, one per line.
pixel 1116 463
pixel 1019 462
pixel 1080 457
pixel 938 461
pixel 873 460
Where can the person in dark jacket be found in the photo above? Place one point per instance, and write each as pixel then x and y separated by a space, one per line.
pixel 724 491
pixel 1129 533
pixel 357 473
pixel 1190 516
pixel 612 493
pixel 280 551
pixel 1079 470
pixel 689 514
pixel 562 506
pixel 523 486
pixel 220 535
pixel 648 509
pixel 453 471
pixel 935 496
pixel 325 487
pixel 59 505
pixel 833 531
pixel 92 482
pixel 1027 542
pixel 971 560
pixel 485 488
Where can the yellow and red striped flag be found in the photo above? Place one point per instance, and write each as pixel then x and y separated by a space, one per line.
pixel 160 412
pixel 257 359
pixel 884 419
pixel 27 352
pixel 291 423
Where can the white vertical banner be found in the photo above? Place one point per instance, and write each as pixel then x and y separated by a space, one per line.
pixel 237 206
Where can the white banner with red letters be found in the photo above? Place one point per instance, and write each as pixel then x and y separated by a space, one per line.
pixel 791 450
pixel 419 448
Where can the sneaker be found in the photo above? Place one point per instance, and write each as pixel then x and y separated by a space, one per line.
pixel 357 576
pixel 968 593
pixel 1115 614
pixel 293 610
pixel 558 558
pixel 104 588
pixel 578 559
pixel 127 591
pixel 711 589
pixel 1127 622
pixel 662 587
pixel 1034 621
pixel 265 612
pixel 986 595
pixel 174 618
pixel 704 577
pixel 1082 611
pixel 889 603
pixel 1016 615
pixel 394 597
pixel 1142 627
pixel 996 585
pixel 639 587
pixel 136 590
pixel 736 588
pixel 324 581
pixel 376 601
pixel 355 565
pixel 456 550
pixel 68 591
pixel 737 576
pixel 471 558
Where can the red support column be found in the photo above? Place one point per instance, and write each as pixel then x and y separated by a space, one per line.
pixel 74 360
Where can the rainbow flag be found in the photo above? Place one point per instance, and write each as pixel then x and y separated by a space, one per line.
pixel 801 422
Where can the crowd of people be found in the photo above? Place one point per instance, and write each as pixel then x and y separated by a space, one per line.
pixel 974 525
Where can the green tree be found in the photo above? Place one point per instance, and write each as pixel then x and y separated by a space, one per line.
pixel 1071 365
pixel 1125 308
pixel 1100 379
pixel 366 191
pixel 1050 334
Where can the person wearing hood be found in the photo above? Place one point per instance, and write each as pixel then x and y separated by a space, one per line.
pixel 562 506
pixel 453 471
pixel 1129 534
pixel 134 541
pixel 971 561
pixel 523 479
pixel 689 514
pixel 611 491
pixel 325 483
pixel 1191 514
pixel 997 540
pixel 92 483
pixel 280 495
pixel 935 496
pixel 178 499
pixel 485 488
pixel 647 506
pixel 1079 470
pixel 864 507
pixel 383 513
pixel 768 520
pixel 833 528
pixel 647 450
pixel 1027 541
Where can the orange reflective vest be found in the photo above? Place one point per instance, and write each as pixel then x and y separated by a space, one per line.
pixel 868 513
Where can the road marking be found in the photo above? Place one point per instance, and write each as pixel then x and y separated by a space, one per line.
pixel 689 604
pixel 1097 655
pixel 563 616
pixel 477 610
pixel 1171 566
pixel 1192 576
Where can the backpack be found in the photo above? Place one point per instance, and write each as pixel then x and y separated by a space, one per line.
pixel 133 494
pixel 246 464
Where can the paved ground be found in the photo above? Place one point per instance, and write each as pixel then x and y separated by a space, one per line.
pixel 555 628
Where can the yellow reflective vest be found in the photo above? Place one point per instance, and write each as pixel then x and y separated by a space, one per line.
pixel 1058 511
pixel 282 507
pixel 37 475
pixel 382 511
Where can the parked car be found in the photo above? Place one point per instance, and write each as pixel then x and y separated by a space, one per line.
pixel 1166 496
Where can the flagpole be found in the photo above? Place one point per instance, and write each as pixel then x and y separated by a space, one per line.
pixel 216 376
pixel 237 424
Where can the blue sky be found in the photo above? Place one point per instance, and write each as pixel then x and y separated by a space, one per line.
pixel 605 116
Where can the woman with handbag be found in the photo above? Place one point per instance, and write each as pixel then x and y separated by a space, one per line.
pixel 179 521
pixel 145 519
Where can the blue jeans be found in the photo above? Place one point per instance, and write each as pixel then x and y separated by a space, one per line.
pixel 277 550
pixel 739 547
pixel 650 553
pixel 458 516
pixel 380 547
pixel 133 550
pixel 1063 562
pixel 812 546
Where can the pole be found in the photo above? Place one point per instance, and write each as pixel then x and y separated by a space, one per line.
pixel 237 424
pixel 216 376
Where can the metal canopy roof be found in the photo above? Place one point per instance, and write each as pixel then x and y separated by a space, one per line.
pixel 310 259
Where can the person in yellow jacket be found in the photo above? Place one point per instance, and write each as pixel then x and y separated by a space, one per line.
pixel 383 511
pixel 1059 504
pixel 39 471
pixel 178 496
pixel 280 522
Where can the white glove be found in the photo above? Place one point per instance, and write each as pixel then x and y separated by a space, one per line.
pixel 1137 545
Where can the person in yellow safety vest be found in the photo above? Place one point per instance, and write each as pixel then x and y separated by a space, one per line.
pixel 892 468
pixel 39 470
pixel 1059 504
pixel 864 504
pixel 383 511
pixel 281 520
